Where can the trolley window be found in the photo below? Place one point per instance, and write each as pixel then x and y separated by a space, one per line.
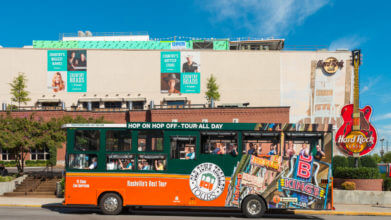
pixel 183 147
pixel 261 144
pixel 117 140
pixel 87 140
pixel 151 162
pixel 120 162
pixel 83 161
pixel 219 143
pixel 149 141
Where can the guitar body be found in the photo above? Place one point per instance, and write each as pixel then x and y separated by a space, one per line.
pixel 365 127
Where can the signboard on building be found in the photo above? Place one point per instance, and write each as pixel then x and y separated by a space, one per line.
pixel 67 70
pixel 180 72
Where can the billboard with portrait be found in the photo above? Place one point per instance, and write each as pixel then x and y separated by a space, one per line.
pixel 67 70
pixel 180 72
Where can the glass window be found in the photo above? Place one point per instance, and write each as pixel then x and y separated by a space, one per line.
pixel 304 146
pixel 118 140
pixel 87 140
pixel 120 162
pixel 261 144
pixel 82 161
pixel 136 105
pixel 151 162
pixel 150 141
pixel 219 143
pixel 183 147
pixel 113 104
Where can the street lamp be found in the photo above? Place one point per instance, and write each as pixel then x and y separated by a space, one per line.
pixel 382 147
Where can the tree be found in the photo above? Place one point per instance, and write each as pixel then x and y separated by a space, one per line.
pixel 387 157
pixel 377 158
pixel 20 135
pixel 213 90
pixel 17 136
pixel 18 90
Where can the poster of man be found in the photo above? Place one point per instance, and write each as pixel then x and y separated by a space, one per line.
pixel 57 81
pixel 190 62
pixel 170 82
pixel 77 60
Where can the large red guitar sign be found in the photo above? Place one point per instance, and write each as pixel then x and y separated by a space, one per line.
pixel 357 136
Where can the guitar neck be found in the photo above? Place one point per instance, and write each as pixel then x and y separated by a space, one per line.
pixel 356 101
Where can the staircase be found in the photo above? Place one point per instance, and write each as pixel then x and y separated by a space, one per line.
pixel 39 185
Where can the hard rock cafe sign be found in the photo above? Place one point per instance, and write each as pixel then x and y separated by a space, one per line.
pixel 357 136
pixel 330 65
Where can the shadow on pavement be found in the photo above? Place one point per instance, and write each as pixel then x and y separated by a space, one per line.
pixel 147 211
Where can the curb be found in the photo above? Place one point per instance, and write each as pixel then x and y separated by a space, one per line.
pixel 18 205
pixel 296 212
pixel 342 213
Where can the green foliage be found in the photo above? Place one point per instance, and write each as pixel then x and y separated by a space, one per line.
pixel 37 163
pixel 6 178
pixel 212 89
pixel 356 173
pixel 387 184
pixel 377 158
pixel 387 157
pixel 19 135
pixel 18 90
pixel 11 163
pixel 368 161
pixel 339 161
pixel 352 162
pixel 62 183
pixel 348 185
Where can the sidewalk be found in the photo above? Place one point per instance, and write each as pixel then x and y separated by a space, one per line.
pixel 28 201
pixel 340 209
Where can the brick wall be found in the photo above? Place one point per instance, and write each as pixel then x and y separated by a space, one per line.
pixel 245 115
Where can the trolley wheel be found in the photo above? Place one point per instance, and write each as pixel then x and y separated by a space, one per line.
pixel 110 204
pixel 253 206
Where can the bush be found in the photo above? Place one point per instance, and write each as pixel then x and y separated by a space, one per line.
pixel 387 184
pixel 387 157
pixel 6 178
pixel 11 163
pixel 339 161
pixel 368 161
pixel 352 162
pixel 36 163
pixel 356 173
pixel 348 185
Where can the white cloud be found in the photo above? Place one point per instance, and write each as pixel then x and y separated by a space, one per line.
pixel 371 82
pixel 348 42
pixel 264 17
pixel 383 117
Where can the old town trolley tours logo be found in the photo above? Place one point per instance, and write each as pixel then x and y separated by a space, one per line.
pixel 207 181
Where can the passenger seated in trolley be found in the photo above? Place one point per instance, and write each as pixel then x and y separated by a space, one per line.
pixel 190 155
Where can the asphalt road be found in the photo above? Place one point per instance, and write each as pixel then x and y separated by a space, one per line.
pixel 77 213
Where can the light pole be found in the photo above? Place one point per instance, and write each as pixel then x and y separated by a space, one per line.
pixel 382 147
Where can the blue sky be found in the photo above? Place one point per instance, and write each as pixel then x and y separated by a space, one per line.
pixel 333 24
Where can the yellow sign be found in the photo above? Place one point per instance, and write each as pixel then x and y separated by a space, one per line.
pixel 357 141
pixel 330 65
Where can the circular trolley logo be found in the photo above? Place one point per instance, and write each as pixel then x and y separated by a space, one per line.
pixel 207 181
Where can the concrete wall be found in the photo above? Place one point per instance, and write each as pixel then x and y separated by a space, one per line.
pixel 11 185
pixel 358 197
pixel 262 78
